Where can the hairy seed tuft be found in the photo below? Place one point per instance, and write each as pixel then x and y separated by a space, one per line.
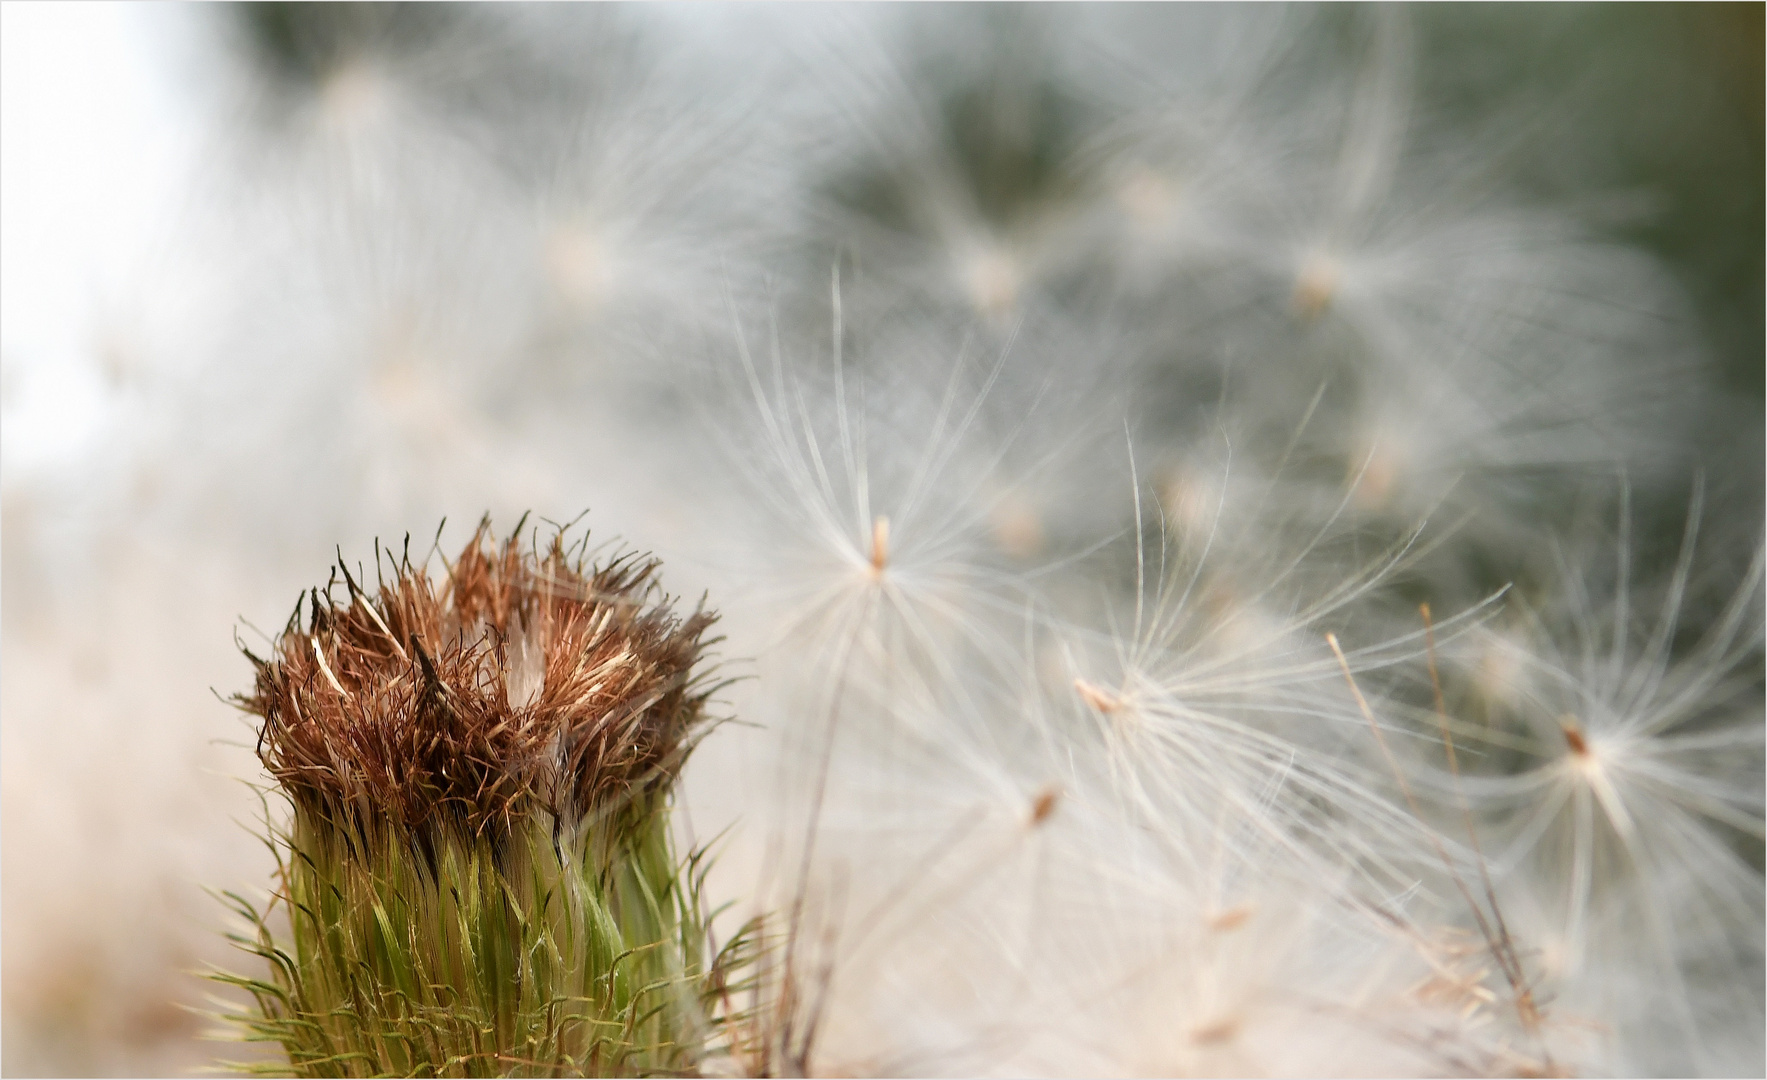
pixel 524 682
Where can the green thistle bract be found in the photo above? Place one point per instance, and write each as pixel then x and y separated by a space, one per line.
pixel 479 875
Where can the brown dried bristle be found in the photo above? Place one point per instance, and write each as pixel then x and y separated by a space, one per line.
pixel 400 706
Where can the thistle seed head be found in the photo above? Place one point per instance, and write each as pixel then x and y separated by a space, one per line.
pixel 523 683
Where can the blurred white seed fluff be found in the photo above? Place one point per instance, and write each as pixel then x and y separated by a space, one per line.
pixel 1070 412
pixel 1619 777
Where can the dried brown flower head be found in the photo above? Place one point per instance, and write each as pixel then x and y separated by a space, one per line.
pixel 522 683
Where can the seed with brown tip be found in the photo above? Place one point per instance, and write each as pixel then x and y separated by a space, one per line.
pixel 880 544
pixel 1231 919
pixel 1218 1031
pixel 1574 735
pixel 1098 697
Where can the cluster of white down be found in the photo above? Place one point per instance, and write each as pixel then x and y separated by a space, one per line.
pixel 1069 412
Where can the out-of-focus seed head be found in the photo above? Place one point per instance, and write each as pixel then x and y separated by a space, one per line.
pixel 524 682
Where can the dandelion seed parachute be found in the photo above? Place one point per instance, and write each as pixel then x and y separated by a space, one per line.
pixel 1618 780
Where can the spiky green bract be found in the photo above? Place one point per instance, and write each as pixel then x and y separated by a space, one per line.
pixel 509 957
pixel 479 876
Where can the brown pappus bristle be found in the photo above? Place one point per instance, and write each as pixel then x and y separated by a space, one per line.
pixel 526 682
